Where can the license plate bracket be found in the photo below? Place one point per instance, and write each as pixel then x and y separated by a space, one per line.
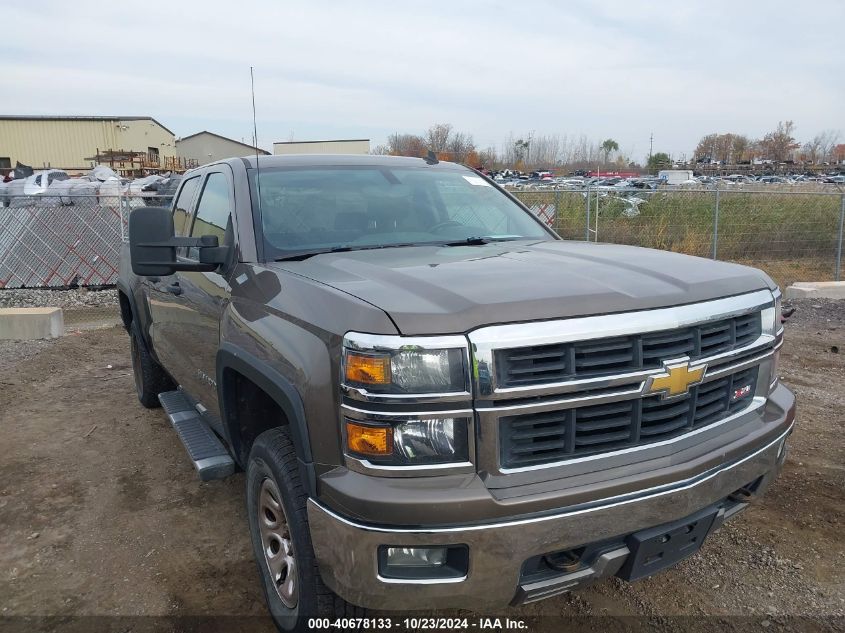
pixel 657 548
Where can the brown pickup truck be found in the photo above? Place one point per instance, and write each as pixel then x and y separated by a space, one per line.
pixel 437 402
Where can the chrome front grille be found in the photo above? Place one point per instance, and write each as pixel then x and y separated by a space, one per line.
pixel 539 364
pixel 553 394
pixel 541 438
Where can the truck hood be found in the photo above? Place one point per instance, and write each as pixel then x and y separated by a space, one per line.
pixel 451 289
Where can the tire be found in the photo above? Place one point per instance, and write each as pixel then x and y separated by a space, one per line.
pixel 150 378
pixel 278 523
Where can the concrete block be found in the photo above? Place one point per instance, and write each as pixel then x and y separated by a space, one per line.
pixel 22 324
pixel 816 290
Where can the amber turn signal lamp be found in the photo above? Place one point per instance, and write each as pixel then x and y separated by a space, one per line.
pixel 369 440
pixel 369 370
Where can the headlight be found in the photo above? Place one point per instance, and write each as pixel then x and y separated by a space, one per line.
pixel 771 316
pixel 772 325
pixel 408 442
pixel 399 365
pixel 773 377
pixel 392 373
pixel 425 370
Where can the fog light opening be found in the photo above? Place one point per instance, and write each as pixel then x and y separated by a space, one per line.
pixel 416 556
pixel 441 562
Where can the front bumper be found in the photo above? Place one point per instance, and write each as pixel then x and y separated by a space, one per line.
pixel 347 551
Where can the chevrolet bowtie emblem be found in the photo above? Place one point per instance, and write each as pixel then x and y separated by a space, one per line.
pixel 676 379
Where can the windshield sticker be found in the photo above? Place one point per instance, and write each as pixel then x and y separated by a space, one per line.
pixel 476 180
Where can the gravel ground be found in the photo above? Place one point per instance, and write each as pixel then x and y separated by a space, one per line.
pixel 68 299
pixel 102 514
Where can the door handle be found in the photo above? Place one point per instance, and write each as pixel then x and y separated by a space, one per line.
pixel 174 289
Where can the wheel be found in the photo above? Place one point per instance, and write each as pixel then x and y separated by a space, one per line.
pixel 150 378
pixel 281 540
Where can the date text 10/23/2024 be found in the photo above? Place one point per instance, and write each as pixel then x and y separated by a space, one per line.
pixel 419 624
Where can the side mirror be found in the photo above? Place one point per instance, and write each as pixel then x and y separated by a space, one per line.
pixel 152 245
pixel 150 230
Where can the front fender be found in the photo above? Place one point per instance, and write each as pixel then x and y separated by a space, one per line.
pixel 283 393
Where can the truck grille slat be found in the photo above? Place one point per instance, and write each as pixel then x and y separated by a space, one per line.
pixel 655 414
pixel 601 424
pixel 605 410
pixel 559 362
pixel 667 350
pixel 599 361
pixel 533 434
pixel 545 367
pixel 543 438
pixel 677 423
pixel 539 446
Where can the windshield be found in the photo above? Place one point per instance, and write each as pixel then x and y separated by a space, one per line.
pixel 332 208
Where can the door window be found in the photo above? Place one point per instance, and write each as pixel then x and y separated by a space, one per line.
pixel 182 207
pixel 214 212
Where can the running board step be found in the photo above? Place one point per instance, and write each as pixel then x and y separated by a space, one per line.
pixel 209 456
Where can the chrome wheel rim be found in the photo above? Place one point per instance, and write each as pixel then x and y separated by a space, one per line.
pixel 277 544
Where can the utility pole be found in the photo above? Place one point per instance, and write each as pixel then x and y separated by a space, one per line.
pixel 528 158
pixel 650 146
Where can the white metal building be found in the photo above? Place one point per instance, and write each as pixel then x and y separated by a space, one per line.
pixel 340 146
pixel 74 142
pixel 207 147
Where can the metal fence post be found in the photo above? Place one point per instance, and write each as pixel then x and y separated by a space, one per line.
pixel 715 225
pixel 587 226
pixel 837 273
pixel 122 201
pixel 556 218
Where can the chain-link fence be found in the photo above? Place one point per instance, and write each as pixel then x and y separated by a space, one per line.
pixel 64 241
pixel 793 236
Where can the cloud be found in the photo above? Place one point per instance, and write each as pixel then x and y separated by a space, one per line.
pixel 337 68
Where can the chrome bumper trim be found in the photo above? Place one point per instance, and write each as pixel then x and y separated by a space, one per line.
pixel 601 504
pixel 346 550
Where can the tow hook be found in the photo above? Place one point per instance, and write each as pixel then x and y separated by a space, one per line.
pixel 567 561
pixel 743 495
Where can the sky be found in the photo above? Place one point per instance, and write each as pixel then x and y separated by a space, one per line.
pixel 334 69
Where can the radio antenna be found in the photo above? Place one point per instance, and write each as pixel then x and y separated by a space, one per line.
pixel 255 139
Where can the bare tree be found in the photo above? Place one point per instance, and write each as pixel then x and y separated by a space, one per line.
pixel 740 145
pixel 406 144
pixel 827 142
pixel 488 158
pixel 459 147
pixel 727 148
pixel 779 144
pixel 437 137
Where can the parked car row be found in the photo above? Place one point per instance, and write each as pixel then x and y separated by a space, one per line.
pixel 652 182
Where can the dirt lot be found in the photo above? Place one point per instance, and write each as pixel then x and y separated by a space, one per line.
pixel 101 513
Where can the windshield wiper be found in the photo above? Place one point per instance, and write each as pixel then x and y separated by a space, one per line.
pixel 481 240
pixel 298 257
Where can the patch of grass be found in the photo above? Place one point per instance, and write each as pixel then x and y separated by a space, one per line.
pixel 793 237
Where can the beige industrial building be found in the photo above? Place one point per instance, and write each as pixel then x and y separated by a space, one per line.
pixel 207 147
pixel 76 143
pixel 342 146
